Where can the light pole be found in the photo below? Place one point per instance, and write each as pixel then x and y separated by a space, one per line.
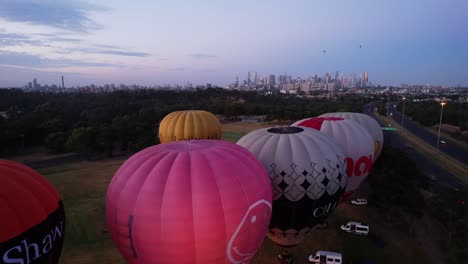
pixel 380 108
pixel 388 103
pixel 403 112
pixel 440 122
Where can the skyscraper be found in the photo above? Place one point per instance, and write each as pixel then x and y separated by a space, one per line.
pixel 326 78
pixel 365 78
pixel 34 83
pixel 271 79
pixel 252 78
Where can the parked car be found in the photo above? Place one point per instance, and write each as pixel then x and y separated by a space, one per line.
pixel 359 201
pixel 356 228
pixel 326 257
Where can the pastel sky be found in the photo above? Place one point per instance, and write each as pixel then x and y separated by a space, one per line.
pixel 175 42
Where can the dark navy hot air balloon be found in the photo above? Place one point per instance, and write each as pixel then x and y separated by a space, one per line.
pixel 32 216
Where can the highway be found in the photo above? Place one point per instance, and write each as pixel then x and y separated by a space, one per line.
pixel 424 164
pixel 455 151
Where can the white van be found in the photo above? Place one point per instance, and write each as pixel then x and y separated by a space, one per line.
pixel 356 228
pixel 325 257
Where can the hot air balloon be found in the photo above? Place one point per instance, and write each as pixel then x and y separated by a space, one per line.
pixel 356 142
pixel 308 174
pixel 32 216
pixel 188 125
pixel 200 201
pixel 368 123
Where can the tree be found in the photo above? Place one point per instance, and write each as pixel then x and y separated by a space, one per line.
pixel 82 140
pixel 55 142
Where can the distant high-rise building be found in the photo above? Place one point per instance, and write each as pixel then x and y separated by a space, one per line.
pixel 30 85
pixel 305 87
pixel 271 79
pixel 252 78
pixel 326 78
pixel 35 83
pixel 281 79
pixel 365 77
pixel 237 81
pixel 63 82
pixel 289 87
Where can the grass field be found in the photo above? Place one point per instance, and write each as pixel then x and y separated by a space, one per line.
pixel 83 187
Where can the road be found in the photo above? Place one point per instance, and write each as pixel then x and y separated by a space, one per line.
pixel 455 151
pixel 425 165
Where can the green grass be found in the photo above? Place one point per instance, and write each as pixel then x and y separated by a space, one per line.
pixel 360 248
pixel 232 137
pixel 83 187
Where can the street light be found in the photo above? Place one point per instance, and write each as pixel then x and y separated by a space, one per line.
pixel 440 122
pixel 403 112
pixel 380 108
pixel 388 103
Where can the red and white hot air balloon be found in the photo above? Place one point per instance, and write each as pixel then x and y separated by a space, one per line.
pixel 356 142
pixel 204 201
pixel 367 122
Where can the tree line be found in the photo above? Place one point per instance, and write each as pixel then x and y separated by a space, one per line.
pixel 428 113
pixel 104 123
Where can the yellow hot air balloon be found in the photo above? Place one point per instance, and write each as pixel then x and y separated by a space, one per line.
pixel 188 125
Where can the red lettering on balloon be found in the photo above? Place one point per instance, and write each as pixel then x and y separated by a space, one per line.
pixel 349 166
pixel 362 160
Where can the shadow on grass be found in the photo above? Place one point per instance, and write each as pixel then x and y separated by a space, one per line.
pixel 363 249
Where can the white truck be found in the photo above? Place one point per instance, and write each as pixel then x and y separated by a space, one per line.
pixel 356 228
pixel 326 257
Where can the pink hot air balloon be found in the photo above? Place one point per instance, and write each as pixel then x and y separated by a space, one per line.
pixel 206 201
pixel 356 142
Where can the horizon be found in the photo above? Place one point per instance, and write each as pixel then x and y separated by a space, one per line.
pixel 209 42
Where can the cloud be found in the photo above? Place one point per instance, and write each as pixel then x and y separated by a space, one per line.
pixel 13 39
pixel 202 56
pixel 69 15
pixel 105 51
pixel 59 39
pixel 122 53
pixel 34 61
pixel 177 69
pixel 107 46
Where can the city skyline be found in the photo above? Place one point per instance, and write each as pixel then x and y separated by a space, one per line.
pixel 210 42
pixel 252 79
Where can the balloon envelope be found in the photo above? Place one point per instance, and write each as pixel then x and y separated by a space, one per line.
pixel 308 174
pixel 32 216
pixel 368 123
pixel 356 142
pixel 202 201
pixel 187 125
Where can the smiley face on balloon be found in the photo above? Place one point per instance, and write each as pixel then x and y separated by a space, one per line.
pixel 252 225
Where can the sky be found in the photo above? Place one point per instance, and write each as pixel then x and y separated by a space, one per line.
pixel 175 42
